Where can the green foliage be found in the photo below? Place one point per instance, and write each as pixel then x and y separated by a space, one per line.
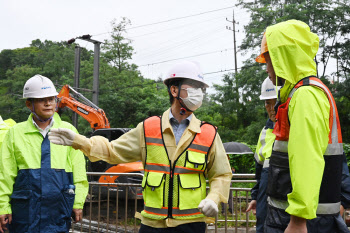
pixel 126 97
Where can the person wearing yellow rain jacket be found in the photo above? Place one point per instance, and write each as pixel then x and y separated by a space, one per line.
pixel 41 184
pixel 5 125
pixel 305 169
pixel 262 156
pixel 178 151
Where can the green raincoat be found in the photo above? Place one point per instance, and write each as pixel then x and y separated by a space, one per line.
pixel 292 48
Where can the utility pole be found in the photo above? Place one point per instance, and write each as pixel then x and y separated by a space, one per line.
pixel 95 84
pixel 233 29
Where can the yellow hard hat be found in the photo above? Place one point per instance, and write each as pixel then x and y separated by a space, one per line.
pixel 264 49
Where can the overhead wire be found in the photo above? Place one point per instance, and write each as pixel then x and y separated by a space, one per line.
pixel 169 20
pixel 197 55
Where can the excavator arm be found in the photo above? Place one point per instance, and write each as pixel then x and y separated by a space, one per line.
pixel 88 110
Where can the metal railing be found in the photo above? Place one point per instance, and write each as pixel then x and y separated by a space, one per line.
pixel 111 207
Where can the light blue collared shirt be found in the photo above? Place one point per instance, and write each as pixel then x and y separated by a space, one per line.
pixel 179 128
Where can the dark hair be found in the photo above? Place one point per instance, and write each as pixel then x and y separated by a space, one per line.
pixel 173 82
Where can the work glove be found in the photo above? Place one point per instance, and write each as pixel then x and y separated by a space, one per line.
pixel 61 136
pixel 208 207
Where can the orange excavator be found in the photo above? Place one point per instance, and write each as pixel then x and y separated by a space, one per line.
pixel 67 98
pixel 88 110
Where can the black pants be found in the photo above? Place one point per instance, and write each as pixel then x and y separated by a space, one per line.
pixel 277 221
pixel 196 227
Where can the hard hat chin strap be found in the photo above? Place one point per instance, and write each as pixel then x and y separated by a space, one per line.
pixel 39 118
pixel 183 108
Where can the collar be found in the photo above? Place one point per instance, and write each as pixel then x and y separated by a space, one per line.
pixel 172 116
pixel 48 127
pixel 194 125
pixel 31 128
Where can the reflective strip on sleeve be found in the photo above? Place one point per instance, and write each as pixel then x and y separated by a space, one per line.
pixel 266 163
pixel 322 208
pixel 263 143
pixel 334 149
pixel 257 159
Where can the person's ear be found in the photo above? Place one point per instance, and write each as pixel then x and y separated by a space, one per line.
pixel 29 104
pixel 174 90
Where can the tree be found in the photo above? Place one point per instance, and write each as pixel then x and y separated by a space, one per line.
pixel 117 50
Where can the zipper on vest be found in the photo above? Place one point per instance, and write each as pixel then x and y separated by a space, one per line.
pixel 171 187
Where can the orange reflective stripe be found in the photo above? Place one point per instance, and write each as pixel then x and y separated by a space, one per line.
pixel 203 141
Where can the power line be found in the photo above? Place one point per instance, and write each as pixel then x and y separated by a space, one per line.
pixel 169 20
pixel 197 55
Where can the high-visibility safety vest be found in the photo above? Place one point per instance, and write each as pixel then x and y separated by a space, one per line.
pixel 264 146
pixel 174 190
pixel 279 175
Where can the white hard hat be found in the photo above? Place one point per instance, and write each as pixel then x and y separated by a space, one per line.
pixel 268 90
pixel 186 69
pixel 39 86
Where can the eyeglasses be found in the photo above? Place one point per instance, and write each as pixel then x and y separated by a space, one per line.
pixel 196 89
pixel 49 100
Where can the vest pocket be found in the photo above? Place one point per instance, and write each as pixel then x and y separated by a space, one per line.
pixel 21 206
pixel 153 189
pixel 195 160
pixel 279 183
pixel 190 192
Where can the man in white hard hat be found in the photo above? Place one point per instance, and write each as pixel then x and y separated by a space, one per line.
pixel 178 152
pixel 262 155
pixel 41 184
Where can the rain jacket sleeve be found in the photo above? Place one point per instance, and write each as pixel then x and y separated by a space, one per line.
pixel 258 168
pixel 8 173
pixel 79 177
pixel 308 139
pixel 219 172
pixel 123 150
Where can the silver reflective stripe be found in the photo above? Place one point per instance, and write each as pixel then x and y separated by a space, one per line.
pixel 328 208
pixel 189 211
pixel 277 203
pixel 156 210
pixel 257 158
pixel 281 146
pixel 199 147
pixel 334 149
pixel 157 168
pixel 292 92
pixel 263 142
pixel 183 170
pixel 266 163
pixel 154 140
pixel 322 208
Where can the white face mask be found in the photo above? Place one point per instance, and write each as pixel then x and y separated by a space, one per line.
pixel 194 98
